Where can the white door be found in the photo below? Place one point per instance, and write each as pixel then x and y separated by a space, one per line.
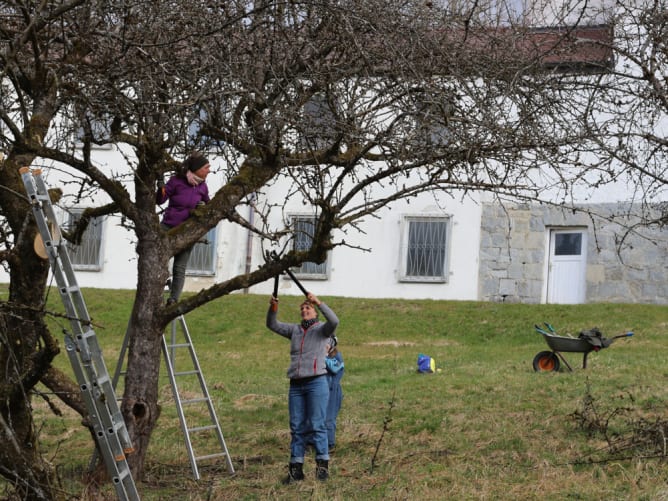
pixel 567 266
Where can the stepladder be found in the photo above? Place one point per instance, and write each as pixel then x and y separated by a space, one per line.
pixel 82 346
pixel 202 433
pixel 201 429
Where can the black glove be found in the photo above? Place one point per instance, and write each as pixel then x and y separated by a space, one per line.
pixel 161 182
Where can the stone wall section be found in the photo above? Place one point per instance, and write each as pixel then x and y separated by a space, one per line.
pixel 514 249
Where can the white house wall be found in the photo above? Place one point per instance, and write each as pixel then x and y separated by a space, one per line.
pixel 375 274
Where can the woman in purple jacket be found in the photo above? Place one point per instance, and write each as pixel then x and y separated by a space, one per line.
pixel 309 388
pixel 185 191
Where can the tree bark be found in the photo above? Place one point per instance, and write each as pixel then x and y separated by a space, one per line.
pixel 140 407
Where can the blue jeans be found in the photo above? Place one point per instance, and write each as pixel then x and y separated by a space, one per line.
pixel 307 404
pixel 333 405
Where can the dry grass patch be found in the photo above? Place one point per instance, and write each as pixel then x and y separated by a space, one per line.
pixel 254 401
pixel 394 344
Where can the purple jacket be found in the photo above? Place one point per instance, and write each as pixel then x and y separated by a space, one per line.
pixel 183 198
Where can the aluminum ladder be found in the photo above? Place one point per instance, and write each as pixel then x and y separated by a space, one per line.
pixel 83 350
pixel 196 433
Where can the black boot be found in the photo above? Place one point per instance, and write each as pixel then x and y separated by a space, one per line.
pixel 322 469
pixel 295 473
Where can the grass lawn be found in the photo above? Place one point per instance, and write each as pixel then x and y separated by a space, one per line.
pixel 485 426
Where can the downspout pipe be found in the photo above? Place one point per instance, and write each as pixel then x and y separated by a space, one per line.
pixel 249 236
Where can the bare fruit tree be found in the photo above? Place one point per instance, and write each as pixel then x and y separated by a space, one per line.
pixel 351 105
pixel 629 122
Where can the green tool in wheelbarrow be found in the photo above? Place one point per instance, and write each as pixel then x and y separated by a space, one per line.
pixel 585 343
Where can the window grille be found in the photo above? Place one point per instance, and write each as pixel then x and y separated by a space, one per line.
pixel 195 135
pixel 100 128
pixel 425 249
pixel 304 228
pixel 431 121
pixel 202 260
pixel 319 124
pixel 88 254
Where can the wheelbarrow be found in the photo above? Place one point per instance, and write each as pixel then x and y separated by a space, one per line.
pixel 585 343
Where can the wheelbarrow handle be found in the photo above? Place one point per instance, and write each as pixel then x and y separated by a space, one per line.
pixel 628 334
pixel 541 330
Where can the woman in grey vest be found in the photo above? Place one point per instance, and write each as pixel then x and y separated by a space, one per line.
pixel 309 388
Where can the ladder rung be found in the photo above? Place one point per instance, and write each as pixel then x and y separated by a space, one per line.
pixel 178 345
pixel 42 196
pixel 210 456
pixel 71 288
pixel 121 475
pixel 202 428
pixel 186 373
pixel 86 335
pixel 194 400
pixel 116 426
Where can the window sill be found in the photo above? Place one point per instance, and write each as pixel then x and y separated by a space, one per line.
pixel 423 280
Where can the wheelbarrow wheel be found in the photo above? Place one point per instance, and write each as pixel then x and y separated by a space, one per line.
pixel 546 361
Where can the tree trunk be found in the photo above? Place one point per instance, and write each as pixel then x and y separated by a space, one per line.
pixel 25 356
pixel 140 406
pixel 27 349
